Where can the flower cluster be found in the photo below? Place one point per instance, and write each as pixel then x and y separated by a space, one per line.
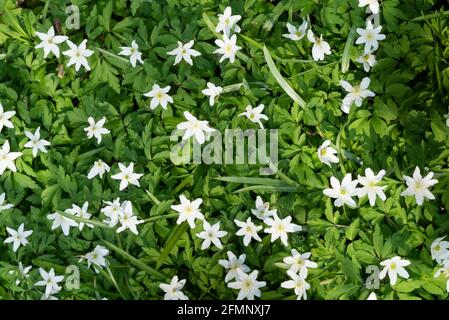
pixel 120 214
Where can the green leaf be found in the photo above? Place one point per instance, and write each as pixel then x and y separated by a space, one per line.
pixel 172 240
pixel 282 82
pixel 346 57
pixel 136 262
pixel 408 286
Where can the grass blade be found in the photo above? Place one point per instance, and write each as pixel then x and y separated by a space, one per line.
pixel 136 262
pixel 267 188
pixel 260 181
pixel 282 82
pixel 176 234
pixel 276 13
pixel 345 60
pixel 89 221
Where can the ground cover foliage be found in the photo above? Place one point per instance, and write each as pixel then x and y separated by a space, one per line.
pixel 399 129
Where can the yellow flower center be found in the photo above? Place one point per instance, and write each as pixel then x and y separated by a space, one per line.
pixel 370 36
pixel 372 184
pixel 419 186
pixel 228 48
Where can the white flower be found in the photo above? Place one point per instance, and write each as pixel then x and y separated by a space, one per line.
pixel 372 296
pixel 234 265
pixel 212 91
pixel 445 271
pixel 394 267
pixel 78 55
pixel 132 52
pixel 95 129
pixel 227 48
pixel 99 168
pixel 173 290
pixel 159 97
pixel 23 273
pixel 439 250
pixel 368 60
pixel 296 34
pixel 50 297
pixel 370 186
pixel 4 118
pixel 355 94
pixel 343 192
pixel 97 257
pixel 61 221
pixel 3 204
pixel 262 210
pixel 248 285
pixel 370 36
pixel 373 5
pixel 227 22
pixel 81 213
pixel 184 51
pixel 320 47
pixel 248 230
pixel 194 128
pixel 255 115
pixel 280 227
pixel 36 142
pixel 188 211
pixel 418 186
pixel 327 154
pixel 50 42
pixel 113 211
pixel 211 234
pixel 299 263
pixel 128 219
pixel 298 283
pixel 7 158
pixel 18 237
pixel 127 176
pixel 50 281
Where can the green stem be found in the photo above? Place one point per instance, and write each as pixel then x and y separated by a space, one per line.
pixel 166 216
pixel 136 262
pixel 112 55
pixel 84 220
pixel 314 69
pixel 153 198
pixel 232 87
